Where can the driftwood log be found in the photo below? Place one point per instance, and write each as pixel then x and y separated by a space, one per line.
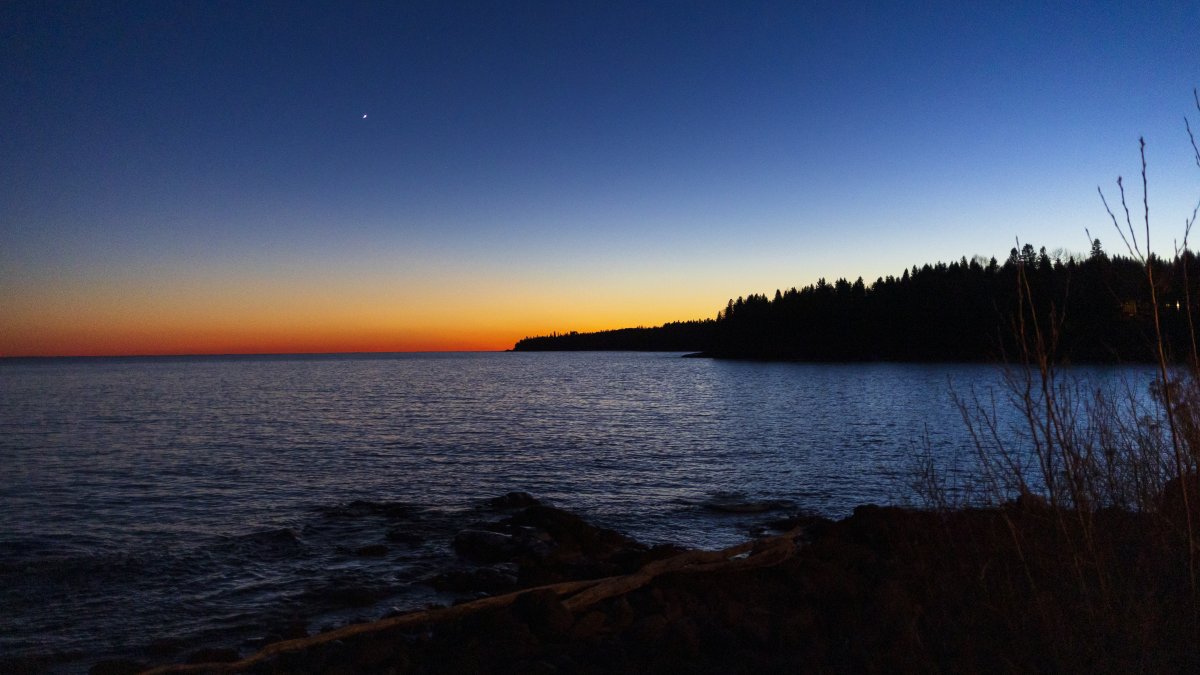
pixel 576 595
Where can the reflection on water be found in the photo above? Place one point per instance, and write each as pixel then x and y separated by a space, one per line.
pixel 129 481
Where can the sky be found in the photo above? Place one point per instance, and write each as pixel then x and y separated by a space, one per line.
pixel 240 177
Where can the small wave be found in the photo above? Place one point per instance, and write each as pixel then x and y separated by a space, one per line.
pixel 285 537
pixel 89 569
pixel 261 545
pixel 736 503
pixel 346 591
pixel 361 507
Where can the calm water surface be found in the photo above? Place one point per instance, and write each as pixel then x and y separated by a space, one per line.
pixel 196 500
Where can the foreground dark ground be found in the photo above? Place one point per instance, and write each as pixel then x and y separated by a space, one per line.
pixel 1022 588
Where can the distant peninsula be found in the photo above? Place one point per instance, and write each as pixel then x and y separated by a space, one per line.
pixel 1080 308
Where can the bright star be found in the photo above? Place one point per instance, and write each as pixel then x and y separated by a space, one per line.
pixel 364 117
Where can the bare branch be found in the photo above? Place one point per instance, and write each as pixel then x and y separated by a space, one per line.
pixel 1145 195
pixel 1113 216
pixel 1191 136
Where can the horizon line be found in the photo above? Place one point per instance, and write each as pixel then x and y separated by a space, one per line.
pixel 247 354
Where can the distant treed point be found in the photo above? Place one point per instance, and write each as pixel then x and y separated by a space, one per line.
pixel 1089 309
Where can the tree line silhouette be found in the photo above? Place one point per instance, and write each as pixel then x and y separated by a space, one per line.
pixel 679 336
pixel 1093 308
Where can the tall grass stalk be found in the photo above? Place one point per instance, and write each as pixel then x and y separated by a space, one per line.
pixel 1089 479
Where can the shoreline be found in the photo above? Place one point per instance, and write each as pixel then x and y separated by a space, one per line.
pixel 885 589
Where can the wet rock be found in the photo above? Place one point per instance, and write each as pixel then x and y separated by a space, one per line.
pixel 485 545
pixel 738 505
pixel 360 507
pixel 514 500
pixel 812 525
pixel 662 551
pixel 572 535
pixel 547 545
pixel 493 579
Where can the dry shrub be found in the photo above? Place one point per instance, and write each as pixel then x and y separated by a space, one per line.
pixel 1096 490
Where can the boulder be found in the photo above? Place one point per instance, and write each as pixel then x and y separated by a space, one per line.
pixel 486 546
pixel 572 536
pixel 544 613
pixel 494 579
pixel 514 500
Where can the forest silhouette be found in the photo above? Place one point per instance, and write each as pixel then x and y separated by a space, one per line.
pixel 1085 308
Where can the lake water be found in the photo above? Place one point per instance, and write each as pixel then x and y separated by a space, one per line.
pixel 168 503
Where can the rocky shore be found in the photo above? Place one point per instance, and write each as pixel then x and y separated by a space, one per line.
pixel 1012 589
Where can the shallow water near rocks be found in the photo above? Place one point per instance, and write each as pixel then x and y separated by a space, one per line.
pixel 151 506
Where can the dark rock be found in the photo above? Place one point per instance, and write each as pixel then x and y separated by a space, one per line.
pixel 372 651
pixel 487 579
pixel 213 655
pixel 621 613
pixel 485 546
pixel 544 613
pixel 663 551
pixel 359 508
pixel 807 521
pixel 572 535
pixel 371 551
pixel 589 625
pixel 117 667
pixel 651 628
pixel 514 500
pixel 684 635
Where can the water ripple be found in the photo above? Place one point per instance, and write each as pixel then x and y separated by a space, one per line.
pixel 206 498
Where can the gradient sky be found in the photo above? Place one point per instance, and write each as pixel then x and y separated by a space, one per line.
pixel 198 177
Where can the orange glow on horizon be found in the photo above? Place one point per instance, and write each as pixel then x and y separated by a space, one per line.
pixel 213 344
pixel 256 315
pixel 163 337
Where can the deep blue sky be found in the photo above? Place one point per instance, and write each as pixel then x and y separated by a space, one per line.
pixel 534 166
